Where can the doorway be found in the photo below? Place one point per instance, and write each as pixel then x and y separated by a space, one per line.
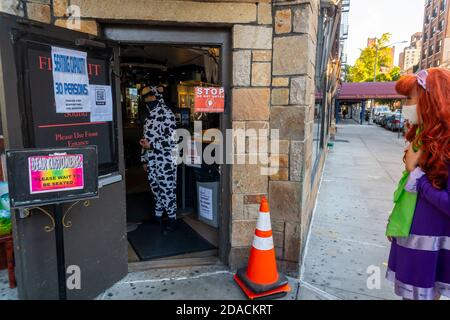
pixel 175 70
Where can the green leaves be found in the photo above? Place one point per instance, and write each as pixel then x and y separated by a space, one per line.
pixel 377 57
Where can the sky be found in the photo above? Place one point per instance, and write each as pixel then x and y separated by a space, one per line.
pixel 372 18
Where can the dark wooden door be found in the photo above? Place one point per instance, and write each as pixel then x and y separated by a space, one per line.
pixel 95 233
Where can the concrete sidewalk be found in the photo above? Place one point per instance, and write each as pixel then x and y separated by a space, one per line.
pixel 347 234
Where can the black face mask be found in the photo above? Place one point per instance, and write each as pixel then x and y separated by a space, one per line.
pixel 152 104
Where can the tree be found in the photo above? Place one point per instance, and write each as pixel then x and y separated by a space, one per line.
pixel 363 70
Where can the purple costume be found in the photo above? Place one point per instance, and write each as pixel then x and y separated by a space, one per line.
pixel 419 265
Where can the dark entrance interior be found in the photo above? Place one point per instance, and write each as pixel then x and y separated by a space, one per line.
pixel 176 70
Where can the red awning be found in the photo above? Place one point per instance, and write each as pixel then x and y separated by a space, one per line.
pixel 368 90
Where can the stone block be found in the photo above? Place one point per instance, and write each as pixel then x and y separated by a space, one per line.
pixel 289 121
pixel 292 241
pixel 259 128
pixel 60 7
pixel 301 91
pixel 170 11
pixel 285 200
pixel 264 13
pixel 252 37
pixel 280 82
pixel 258 145
pixel 280 160
pixel 261 74
pixel 283 21
pixel 251 103
pixel 251 212
pixel 12 7
pixel 277 225
pixel 296 161
pixel 237 206
pixel 262 55
pixel 280 96
pixel 303 20
pixel 281 175
pixel 248 179
pixel 253 198
pixel 238 257
pixel 291 55
pixel 242 232
pixel 241 67
pixel 39 12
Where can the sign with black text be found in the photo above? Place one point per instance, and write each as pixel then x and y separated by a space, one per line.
pixel 46 176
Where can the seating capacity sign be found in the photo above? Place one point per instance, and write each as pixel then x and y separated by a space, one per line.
pixel 209 99
pixel 70 80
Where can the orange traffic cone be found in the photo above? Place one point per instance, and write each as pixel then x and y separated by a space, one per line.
pixel 261 279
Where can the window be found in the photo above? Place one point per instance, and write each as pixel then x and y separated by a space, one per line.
pixel 431 51
pixel 435 12
pixel 439 46
pixel 438 63
pixel 441 25
pixel 443 5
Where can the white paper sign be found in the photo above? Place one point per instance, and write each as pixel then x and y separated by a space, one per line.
pixel 101 103
pixel 205 205
pixel 192 158
pixel 70 80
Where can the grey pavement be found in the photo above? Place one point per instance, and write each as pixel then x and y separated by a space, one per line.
pixel 346 242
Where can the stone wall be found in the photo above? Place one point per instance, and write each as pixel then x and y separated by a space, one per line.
pixel 273 45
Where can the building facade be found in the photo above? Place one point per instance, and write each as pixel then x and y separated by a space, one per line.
pixel 409 59
pixel 280 57
pixel 436 34
pixel 343 37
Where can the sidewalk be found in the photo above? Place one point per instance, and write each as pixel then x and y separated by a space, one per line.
pixel 347 233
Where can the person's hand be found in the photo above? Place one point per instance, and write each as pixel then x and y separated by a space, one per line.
pixel 412 158
pixel 145 144
pixel 144 166
pixel 389 238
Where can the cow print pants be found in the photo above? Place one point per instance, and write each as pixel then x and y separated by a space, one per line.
pixel 162 176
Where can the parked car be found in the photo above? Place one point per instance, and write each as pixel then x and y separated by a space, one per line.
pixel 395 122
pixel 383 119
pixel 378 111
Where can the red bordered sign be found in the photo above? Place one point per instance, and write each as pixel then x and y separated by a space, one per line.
pixel 209 99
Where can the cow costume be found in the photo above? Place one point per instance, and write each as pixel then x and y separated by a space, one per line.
pixel 159 131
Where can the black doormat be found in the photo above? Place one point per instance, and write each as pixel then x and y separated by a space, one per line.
pixel 140 207
pixel 149 243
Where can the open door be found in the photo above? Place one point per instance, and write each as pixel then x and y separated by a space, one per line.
pixel 95 233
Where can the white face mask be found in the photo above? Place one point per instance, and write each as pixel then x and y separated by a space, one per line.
pixel 410 114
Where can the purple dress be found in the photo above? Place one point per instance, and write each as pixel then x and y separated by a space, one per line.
pixel 419 265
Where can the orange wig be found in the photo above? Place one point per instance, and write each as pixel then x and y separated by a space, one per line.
pixel 433 109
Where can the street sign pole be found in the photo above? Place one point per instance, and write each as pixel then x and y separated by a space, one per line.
pixel 60 256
